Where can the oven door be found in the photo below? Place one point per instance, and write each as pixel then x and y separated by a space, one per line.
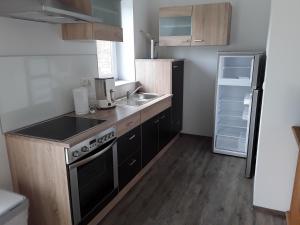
pixel 93 182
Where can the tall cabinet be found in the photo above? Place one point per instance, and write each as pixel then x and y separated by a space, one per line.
pixel 164 76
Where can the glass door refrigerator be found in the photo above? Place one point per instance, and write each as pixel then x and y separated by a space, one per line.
pixel 238 105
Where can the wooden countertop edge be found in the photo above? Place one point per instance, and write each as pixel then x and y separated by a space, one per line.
pixel 296 131
pixel 166 60
pixel 38 140
pixel 95 130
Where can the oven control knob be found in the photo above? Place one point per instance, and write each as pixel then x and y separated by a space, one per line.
pixel 75 154
pixel 85 149
pixel 100 140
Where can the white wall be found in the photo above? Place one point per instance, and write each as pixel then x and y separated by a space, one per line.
pixel 31 38
pixel 146 19
pixel 249 32
pixel 125 50
pixel 277 151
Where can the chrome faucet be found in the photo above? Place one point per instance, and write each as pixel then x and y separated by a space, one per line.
pixel 133 92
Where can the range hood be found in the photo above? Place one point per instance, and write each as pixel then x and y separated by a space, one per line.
pixel 50 11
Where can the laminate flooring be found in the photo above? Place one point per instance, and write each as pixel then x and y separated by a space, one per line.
pixel 192 186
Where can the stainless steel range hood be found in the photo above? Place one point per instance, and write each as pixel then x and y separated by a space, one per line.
pixel 50 11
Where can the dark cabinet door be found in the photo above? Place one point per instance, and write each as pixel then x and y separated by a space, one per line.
pixel 129 156
pixel 164 128
pixel 150 145
pixel 128 144
pixel 129 169
pixel 177 101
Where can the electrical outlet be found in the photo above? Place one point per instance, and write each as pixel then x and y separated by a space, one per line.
pixel 86 82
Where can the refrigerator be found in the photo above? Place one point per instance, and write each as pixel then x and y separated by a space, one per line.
pixel 238 105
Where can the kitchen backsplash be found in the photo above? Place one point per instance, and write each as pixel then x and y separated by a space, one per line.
pixel 36 88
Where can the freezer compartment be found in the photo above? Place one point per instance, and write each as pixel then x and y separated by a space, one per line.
pixel 237 145
pixel 236 70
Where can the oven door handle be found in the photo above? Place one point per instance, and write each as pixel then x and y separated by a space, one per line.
pixel 92 157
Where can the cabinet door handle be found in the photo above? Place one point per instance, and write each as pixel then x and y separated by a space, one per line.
pixel 200 40
pixel 132 137
pixel 132 162
pixel 163 117
pixel 156 121
pixel 175 67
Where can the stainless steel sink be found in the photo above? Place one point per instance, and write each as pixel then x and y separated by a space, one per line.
pixel 138 99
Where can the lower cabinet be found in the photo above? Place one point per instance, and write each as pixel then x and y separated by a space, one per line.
pixel 140 145
pixel 129 156
pixel 150 144
pixel 156 134
pixel 164 128
pixel 129 169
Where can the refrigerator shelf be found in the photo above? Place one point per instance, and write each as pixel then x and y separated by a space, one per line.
pixel 247 99
pixel 229 100
pixel 235 82
pixel 246 113
pixel 237 67
pixel 232 132
pixel 230 144
pixel 222 124
pixel 229 121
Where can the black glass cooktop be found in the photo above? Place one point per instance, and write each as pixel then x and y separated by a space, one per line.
pixel 60 128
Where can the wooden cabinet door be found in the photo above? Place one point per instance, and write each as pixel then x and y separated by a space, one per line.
pixel 211 24
pixel 175 26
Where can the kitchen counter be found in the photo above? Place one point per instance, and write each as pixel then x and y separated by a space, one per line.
pixel 111 116
pixel 296 131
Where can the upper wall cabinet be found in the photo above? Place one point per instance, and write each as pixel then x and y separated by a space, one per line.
pixel 109 12
pixel 175 26
pixel 207 24
pixel 211 24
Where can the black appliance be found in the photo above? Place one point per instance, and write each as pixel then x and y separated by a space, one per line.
pixel 60 128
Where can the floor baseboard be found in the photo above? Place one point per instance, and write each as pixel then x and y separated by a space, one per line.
pixel 270 211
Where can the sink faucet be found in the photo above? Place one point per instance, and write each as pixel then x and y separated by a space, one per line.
pixel 133 92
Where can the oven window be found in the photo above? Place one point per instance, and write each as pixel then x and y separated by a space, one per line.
pixel 95 182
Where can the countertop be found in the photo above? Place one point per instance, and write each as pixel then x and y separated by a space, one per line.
pixel 111 117
pixel 296 131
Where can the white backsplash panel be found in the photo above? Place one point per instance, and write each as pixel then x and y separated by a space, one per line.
pixel 36 88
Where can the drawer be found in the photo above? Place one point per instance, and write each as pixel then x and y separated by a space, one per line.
pixel 129 144
pixel 155 109
pixel 128 124
pixel 129 169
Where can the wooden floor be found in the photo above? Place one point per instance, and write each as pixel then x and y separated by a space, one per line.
pixel 192 186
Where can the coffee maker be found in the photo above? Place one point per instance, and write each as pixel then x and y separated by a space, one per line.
pixel 105 89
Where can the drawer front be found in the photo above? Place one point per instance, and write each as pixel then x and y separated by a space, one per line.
pixel 155 109
pixel 129 144
pixel 129 169
pixel 128 124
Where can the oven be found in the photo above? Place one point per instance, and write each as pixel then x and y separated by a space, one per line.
pixel 93 175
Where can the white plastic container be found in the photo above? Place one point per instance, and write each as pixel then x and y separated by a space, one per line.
pixel 81 100
pixel 13 209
